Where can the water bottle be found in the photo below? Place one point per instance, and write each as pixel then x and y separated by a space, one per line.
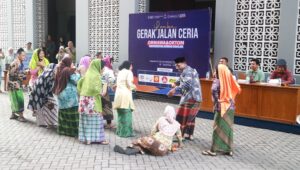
pixel 268 79
pixel 207 75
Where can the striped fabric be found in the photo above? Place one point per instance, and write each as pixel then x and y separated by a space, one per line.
pixel 91 128
pixel 186 116
pixel 68 120
pixel 223 132
pixel 50 114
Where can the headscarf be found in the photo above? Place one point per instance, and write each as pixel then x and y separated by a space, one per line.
pixel 64 71
pixel 229 88
pixel 91 85
pixel 167 124
pixel 85 61
pixel 107 61
pixel 35 59
pixel 42 90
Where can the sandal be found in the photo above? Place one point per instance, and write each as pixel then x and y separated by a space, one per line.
pixel 191 138
pixel 13 116
pixel 209 152
pixel 104 143
pixel 21 119
pixel 229 153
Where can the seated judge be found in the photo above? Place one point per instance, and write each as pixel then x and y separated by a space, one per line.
pixel 282 73
pixel 255 75
pixel 224 60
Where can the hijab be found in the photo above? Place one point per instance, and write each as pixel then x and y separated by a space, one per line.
pixel 91 85
pixel 167 123
pixel 35 59
pixel 85 61
pixel 64 71
pixel 229 88
pixel 108 63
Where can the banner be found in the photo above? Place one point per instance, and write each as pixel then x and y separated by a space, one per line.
pixel 156 39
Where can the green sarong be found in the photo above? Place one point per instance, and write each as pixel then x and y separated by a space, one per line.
pixel 223 132
pixel 17 101
pixel 124 128
pixel 68 121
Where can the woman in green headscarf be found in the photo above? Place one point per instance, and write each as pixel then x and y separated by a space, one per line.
pixel 91 125
pixel 37 64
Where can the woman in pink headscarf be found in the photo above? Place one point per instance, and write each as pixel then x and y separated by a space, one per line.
pixel 108 80
pixel 84 65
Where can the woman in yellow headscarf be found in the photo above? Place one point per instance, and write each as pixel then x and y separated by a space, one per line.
pixel 224 90
pixel 91 125
pixel 37 64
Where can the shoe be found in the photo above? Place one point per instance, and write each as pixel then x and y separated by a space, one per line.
pixel 13 116
pixel 21 119
pixel 119 149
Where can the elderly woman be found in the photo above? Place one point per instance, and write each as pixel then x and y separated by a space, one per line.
pixel 224 90
pixel 84 65
pixel 61 53
pixel 161 139
pixel 65 87
pixel 41 98
pixel 108 80
pixel 91 126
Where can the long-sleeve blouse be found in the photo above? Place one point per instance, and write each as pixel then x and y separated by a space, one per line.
pixel 215 91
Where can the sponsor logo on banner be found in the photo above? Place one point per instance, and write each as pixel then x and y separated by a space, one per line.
pixel 141 77
pixel 156 79
pixel 164 80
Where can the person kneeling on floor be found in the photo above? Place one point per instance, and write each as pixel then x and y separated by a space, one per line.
pixel 160 142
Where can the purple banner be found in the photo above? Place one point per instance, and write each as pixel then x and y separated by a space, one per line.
pixel 156 39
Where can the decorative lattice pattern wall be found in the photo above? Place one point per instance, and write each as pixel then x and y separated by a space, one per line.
pixel 40 20
pixel 18 23
pixel 142 6
pixel 297 54
pixel 3 25
pixel 104 27
pixel 256 33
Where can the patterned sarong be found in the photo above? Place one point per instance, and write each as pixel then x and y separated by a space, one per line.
pixel 186 116
pixel 91 128
pixel 68 120
pixel 223 132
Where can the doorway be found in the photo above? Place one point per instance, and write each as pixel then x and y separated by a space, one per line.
pixel 61 21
